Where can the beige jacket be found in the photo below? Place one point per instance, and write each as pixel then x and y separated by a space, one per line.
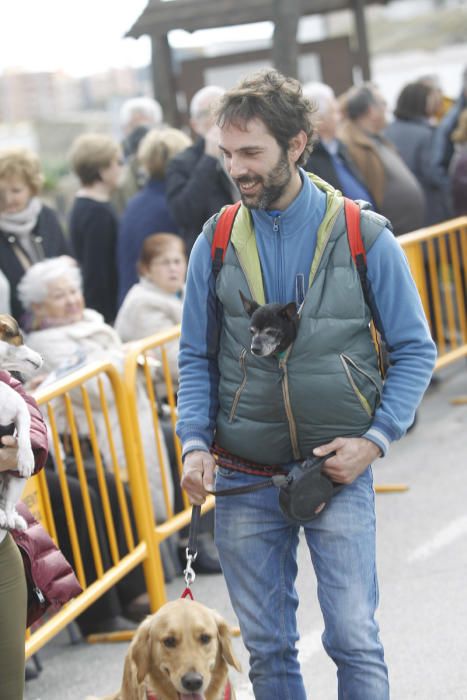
pixel 146 310
pixel 365 156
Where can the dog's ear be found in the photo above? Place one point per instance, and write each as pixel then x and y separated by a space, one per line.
pixel 249 305
pixel 140 650
pixel 289 311
pixel 225 640
pixel 8 327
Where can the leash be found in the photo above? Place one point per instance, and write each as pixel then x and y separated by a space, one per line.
pixel 191 551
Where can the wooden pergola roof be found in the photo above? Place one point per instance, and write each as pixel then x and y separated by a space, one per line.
pixel 159 18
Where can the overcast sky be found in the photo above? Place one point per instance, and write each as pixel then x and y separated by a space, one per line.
pixel 77 36
pixel 82 37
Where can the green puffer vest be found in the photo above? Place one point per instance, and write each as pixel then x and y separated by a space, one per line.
pixel 274 410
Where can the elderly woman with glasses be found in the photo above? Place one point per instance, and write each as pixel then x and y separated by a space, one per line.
pixel 155 302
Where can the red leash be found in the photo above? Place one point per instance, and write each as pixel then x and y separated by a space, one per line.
pixel 227 694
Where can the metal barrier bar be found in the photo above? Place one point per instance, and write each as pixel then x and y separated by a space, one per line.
pixel 89 515
pixel 437 257
pixel 102 484
pixel 65 491
pixel 156 429
pixel 116 469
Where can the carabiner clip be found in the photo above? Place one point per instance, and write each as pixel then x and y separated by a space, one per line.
pixel 188 571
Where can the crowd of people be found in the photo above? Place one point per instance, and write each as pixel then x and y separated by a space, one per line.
pixel 117 273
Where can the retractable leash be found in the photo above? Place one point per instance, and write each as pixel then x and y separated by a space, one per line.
pixel 303 494
pixel 191 551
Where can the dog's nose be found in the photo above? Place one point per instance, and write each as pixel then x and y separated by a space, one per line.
pixel 192 681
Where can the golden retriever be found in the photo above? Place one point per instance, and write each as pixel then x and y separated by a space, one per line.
pixel 179 653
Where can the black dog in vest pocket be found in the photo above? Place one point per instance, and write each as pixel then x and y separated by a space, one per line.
pixel 305 490
pixel 273 327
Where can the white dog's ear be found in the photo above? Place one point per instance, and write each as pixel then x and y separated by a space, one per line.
pixel 9 329
pixel 140 650
pixel 225 640
pixel 249 305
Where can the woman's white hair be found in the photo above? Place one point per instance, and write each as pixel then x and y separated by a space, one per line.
pixel 33 286
pixel 320 94
pixel 143 110
pixel 204 100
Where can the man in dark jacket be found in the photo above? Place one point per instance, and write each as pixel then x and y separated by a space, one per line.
pixel 197 185
pixel 330 159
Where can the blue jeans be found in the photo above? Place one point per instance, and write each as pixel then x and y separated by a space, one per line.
pixel 257 549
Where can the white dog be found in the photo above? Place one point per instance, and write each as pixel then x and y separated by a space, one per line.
pixel 15 356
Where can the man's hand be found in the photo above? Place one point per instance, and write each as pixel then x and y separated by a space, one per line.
pixel 198 475
pixel 8 453
pixel 353 455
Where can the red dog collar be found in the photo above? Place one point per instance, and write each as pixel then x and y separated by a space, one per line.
pixel 227 695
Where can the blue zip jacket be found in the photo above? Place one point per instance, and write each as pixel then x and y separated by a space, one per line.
pixel 286 243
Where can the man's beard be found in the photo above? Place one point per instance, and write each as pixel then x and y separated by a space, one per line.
pixel 273 187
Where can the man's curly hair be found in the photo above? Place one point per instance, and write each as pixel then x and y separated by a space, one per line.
pixel 275 99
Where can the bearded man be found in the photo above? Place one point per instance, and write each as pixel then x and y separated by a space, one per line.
pixel 325 395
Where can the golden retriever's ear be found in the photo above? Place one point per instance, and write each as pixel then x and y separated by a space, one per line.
pixel 225 640
pixel 141 650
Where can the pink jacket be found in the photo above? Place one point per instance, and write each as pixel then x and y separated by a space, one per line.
pixel 39 441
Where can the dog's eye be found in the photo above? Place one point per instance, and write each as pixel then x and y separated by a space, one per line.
pixel 170 642
pixel 205 638
pixel 252 330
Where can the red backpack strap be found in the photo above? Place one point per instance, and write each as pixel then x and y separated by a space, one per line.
pixel 352 218
pixel 358 252
pixel 221 237
pixel 357 249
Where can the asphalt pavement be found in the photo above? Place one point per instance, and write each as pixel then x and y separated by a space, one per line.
pixel 422 563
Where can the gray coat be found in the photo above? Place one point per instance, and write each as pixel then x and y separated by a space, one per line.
pixel 414 142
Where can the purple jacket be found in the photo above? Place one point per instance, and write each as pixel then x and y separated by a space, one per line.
pixel 39 440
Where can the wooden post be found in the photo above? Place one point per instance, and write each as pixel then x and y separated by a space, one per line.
pixel 360 27
pixel 286 16
pixel 163 79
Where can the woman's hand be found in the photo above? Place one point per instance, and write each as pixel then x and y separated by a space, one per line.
pixel 8 453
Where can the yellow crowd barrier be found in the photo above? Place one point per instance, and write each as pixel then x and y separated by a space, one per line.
pixel 437 257
pixel 87 411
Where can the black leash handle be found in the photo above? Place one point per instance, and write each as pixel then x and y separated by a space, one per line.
pixel 277 480
pixel 193 533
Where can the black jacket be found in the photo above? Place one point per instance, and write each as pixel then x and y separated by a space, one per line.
pixel 93 230
pixel 196 187
pixel 320 163
pixel 14 260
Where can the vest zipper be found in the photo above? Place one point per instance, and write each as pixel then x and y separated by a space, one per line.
pixel 278 253
pixel 288 409
pixel 241 387
pixel 328 232
pixel 346 360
